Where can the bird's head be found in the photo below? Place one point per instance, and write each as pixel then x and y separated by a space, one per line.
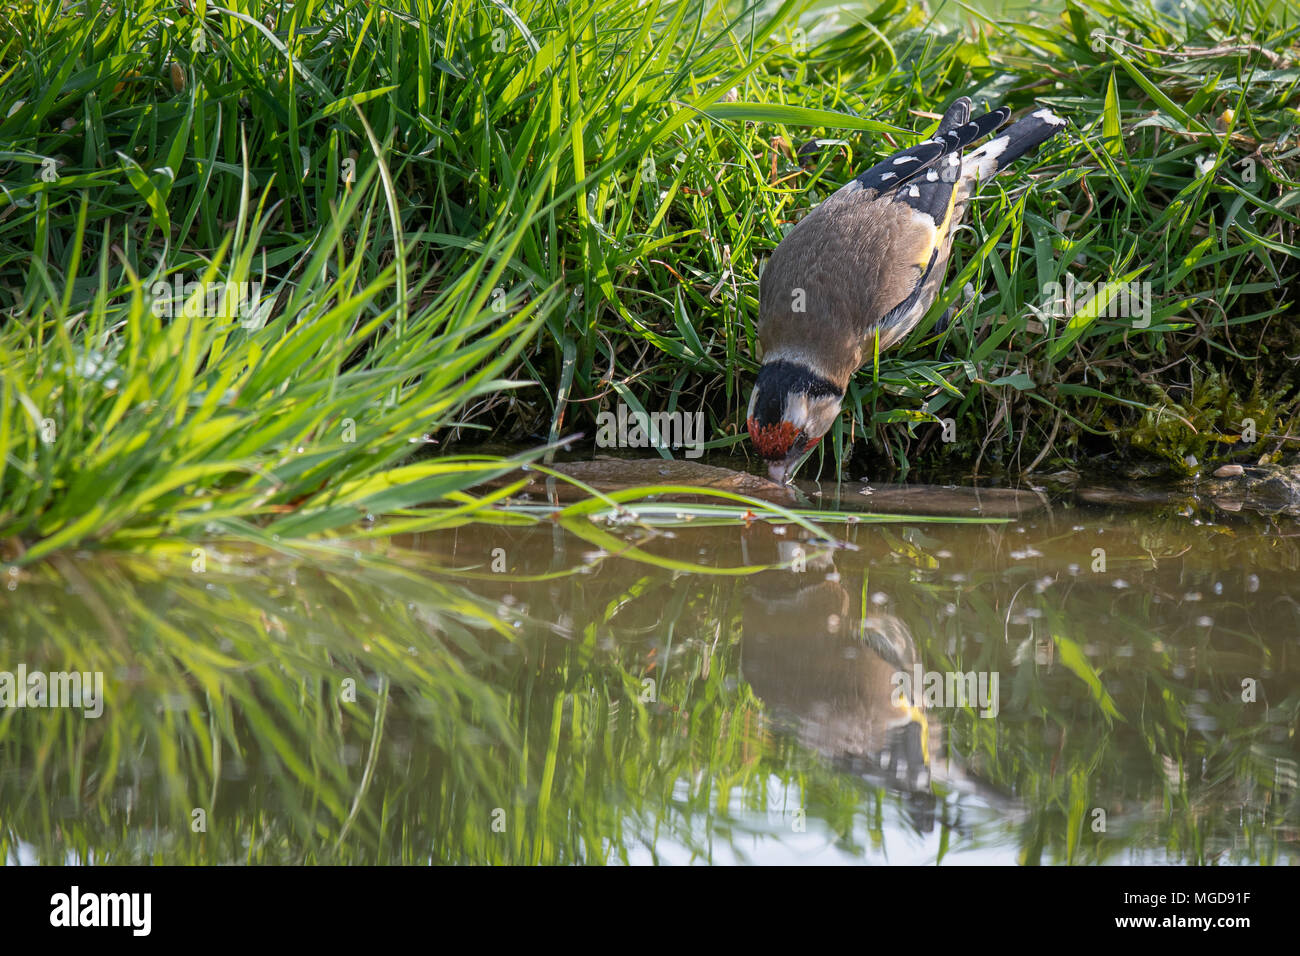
pixel 791 409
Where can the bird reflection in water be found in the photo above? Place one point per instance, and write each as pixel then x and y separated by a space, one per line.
pixel 825 672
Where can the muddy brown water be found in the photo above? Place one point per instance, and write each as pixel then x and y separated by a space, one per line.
pixel 1088 674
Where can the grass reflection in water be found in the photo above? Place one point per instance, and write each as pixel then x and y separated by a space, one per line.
pixel 407 704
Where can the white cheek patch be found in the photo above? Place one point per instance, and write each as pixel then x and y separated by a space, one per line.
pixel 796 409
pixel 823 415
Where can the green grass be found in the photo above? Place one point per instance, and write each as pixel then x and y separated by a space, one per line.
pixel 445 200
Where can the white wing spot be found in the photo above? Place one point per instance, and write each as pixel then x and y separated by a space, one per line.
pixel 1047 116
pixel 931 176
pixel 914 192
pixel 898 160
pixel 887 176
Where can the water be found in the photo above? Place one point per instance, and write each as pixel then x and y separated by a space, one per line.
pixel 618 693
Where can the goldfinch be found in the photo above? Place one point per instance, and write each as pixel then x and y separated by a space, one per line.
pixel 866 263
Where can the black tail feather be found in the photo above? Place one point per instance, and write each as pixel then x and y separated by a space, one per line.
pixel 1016 140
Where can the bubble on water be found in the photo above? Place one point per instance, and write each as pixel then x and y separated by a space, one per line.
pixel 1252 583
pixel 879 598
pixel 944 554
pixel 1192 596
pixel 1205 621
pixel 1119 584
pixel 1218 587
pixel 950 609
pixel 833 577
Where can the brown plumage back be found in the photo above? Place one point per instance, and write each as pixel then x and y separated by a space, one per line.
pixel 850 261
pixel 852 270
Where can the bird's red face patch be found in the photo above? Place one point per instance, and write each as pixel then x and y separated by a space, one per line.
pixel 772 442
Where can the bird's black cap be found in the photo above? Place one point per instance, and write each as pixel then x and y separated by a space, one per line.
pixel 780 378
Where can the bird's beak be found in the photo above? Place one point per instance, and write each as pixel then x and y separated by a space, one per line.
pixel 782 471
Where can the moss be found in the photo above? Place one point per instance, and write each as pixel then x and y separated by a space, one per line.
pixel 1215 424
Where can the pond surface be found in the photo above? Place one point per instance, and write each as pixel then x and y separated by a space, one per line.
pixel 1067 682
